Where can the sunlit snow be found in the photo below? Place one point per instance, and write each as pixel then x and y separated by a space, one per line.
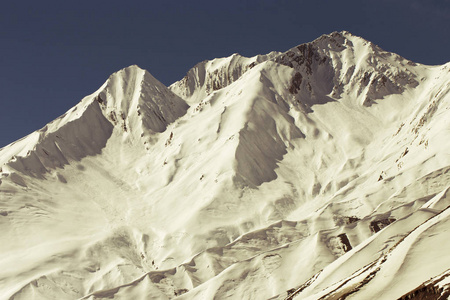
pixel 323 171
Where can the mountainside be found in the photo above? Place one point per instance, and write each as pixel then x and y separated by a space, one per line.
pixel 319 173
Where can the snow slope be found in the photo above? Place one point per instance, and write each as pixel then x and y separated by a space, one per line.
pixel 322 171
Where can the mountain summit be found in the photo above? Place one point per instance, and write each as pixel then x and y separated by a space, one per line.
pixel 321 172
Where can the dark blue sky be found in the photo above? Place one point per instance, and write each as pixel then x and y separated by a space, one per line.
pixel 53 53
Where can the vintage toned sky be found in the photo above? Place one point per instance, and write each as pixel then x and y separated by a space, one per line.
pixel 53 53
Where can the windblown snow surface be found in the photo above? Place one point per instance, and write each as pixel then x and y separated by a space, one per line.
pixel 319 173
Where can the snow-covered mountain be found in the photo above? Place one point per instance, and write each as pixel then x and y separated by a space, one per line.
pixel 319 173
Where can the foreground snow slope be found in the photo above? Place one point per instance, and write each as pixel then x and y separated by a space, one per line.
pixel 319 172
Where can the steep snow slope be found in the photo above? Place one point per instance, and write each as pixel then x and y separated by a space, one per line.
pixel 250 178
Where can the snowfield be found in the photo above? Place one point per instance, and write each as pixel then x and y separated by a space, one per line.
pixel 319 173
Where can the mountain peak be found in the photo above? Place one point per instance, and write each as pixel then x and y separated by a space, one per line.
pixel 212 75
pixel 340 57
pixel 129 71
pixel 339 36
pixel 131 103
pixel 133 94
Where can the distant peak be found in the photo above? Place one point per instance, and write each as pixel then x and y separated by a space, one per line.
pixel 127 71
pixel 338 38
pixel 133 67
pixel 335 34
pixel 346 33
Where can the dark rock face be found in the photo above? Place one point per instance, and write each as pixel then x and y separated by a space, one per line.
pixel 295 84
pixel 377 225
pixel 305 55
pixel 427 292
pixel 430 290
pixel 346 246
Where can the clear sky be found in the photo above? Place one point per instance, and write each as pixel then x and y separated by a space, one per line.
pixel 53 53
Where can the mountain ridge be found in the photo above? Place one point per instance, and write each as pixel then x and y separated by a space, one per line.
pixel 229 181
